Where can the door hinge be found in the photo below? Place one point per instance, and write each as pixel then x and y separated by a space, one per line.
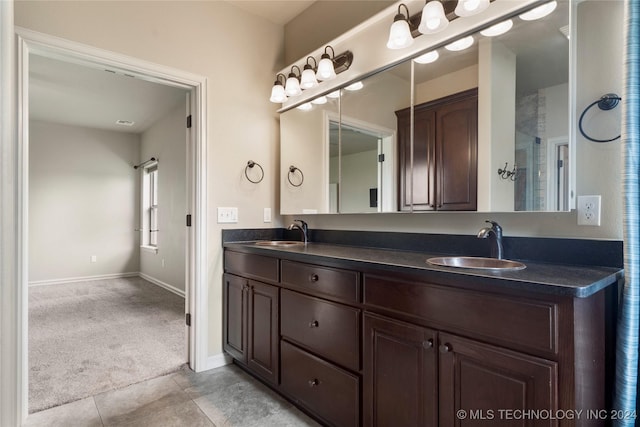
pixel 380 158
pixel 188 319
pixel 560 164
pixel 189 121
pixel 188 220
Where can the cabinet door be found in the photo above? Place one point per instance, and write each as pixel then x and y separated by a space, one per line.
pixel 400 374
pixel 263 335
pixel 417 184
pixel 457 154
pixel 488 382
pixel 235 316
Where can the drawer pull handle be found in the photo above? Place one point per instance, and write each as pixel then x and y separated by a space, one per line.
pixel 445 348
pixel 314 278
pixel 314 324
pixel 314 382
pixel 428 343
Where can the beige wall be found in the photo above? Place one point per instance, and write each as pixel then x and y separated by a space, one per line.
pixel 323 21
pixel 238 52
pixel 166 141
pixel 83 201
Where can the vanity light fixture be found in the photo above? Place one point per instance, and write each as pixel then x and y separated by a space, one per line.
pixel 308 78
pixel 428 57
pixel 292 87
pixel 433 19
pixel 460 44
pixel 470 7
pixel 319 100
pixel 277 91
pixel 497 29
pixel 400 32
pixel 326 70
pixel 539 12
pixel 355 86
pixel 305 107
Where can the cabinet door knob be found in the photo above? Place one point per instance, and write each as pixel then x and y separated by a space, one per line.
pixel 445 348
pixel 428 343
pixel 313 324
pixel 314 278
pixel 314 382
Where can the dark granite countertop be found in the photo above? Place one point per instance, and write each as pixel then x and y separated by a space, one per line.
pixel 557 279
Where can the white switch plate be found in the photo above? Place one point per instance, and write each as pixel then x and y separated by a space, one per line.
pixel 266 216
pixel 589 210
pixel 227 215
pixel 94 258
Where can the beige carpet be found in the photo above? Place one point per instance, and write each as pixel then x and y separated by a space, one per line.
pixel 89 337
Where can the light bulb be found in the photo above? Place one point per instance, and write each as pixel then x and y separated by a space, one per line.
pixel 497 29
pixel 292 88
pixel 355 86
pixel 539 12
pixel 428 57
pixel 277 93
pixel 399 35
pixel 308 78
pixel 305 107
pixel 320 100
pixel 470 7
pixel 335 94
pixel 433 18
pixel 461 44
pixel 325 69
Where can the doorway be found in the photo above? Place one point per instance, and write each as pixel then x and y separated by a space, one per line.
pixel 32 43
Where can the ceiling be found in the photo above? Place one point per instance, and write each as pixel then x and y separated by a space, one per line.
pixel 78 95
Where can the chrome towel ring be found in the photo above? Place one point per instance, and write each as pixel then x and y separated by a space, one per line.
pixel 292 172
pixel 250 165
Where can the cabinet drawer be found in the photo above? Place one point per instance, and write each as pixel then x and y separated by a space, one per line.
pixel 250 265
pixel 327 281
pixel 516 322
pixel 331 330
pixel 324 389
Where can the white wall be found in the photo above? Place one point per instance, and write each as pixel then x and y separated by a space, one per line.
pixel 166 141
pixel 83 201
pixel 233 49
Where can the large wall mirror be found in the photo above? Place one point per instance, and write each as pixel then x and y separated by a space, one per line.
pixel 347 147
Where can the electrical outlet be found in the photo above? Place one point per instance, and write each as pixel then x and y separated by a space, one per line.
pixel 589 210
pixel 227 215
pixel 266 216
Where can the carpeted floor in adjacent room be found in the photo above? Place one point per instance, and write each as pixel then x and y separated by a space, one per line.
pixel 89 337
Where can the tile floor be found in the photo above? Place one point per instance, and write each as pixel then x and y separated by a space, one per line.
pixel 225 396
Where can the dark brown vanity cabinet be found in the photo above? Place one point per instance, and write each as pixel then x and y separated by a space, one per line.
pixel 252 317
pixel 374 348
pixel 443 175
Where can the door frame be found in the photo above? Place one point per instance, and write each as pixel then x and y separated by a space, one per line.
pixel 196 291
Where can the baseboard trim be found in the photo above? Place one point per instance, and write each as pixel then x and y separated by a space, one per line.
pixel 82 279
pixel 162 284
pixel 217 361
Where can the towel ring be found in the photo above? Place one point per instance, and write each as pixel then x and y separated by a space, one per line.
pixel 250 165
pixel 292 171
pixel 605 103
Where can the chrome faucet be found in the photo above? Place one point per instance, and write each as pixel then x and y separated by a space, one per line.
pixel 303 227
pixel 496 231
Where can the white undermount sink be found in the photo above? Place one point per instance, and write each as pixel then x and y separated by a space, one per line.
pixel 477 262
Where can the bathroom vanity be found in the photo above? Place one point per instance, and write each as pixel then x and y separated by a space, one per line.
pixel 372 337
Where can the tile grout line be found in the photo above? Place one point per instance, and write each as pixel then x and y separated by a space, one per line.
pixel 93 398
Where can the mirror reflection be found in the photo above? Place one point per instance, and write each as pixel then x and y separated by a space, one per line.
pixel 354 161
